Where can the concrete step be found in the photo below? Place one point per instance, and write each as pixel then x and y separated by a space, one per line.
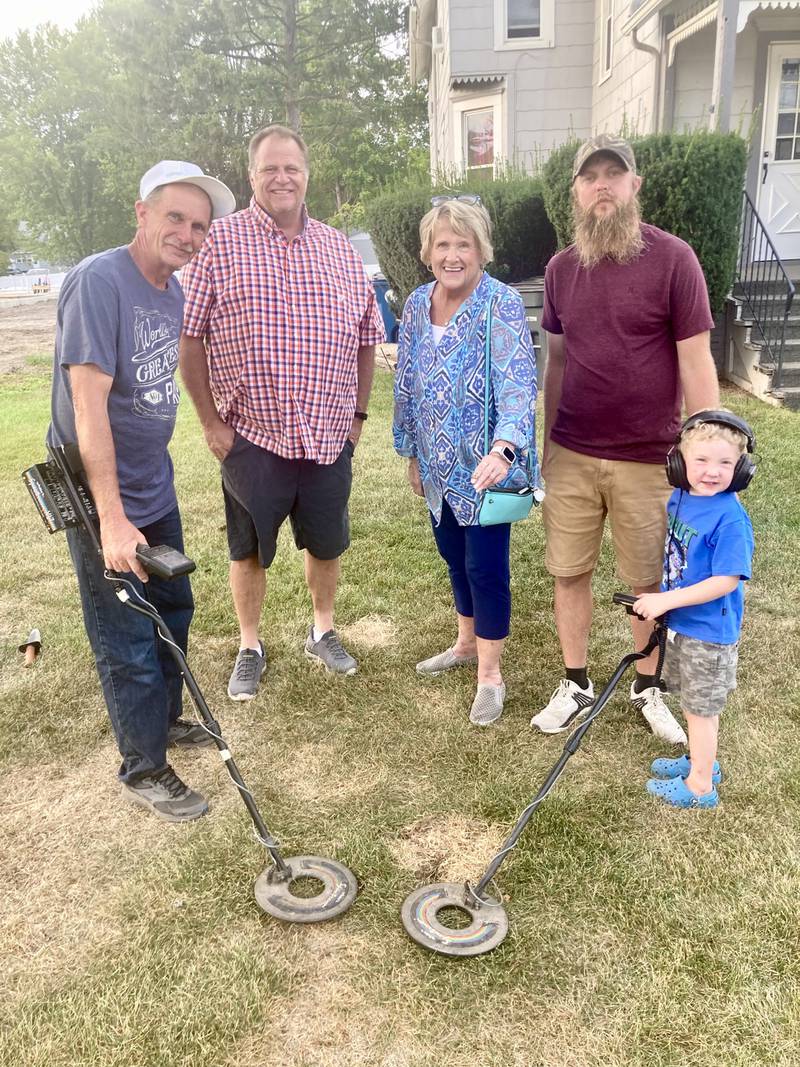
pixel 791 397
pixel 790 374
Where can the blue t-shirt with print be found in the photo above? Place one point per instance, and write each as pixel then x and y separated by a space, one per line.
pixel 110 315
pixel 707 536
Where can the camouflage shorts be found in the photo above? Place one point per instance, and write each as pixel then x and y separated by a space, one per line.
pixel 701 672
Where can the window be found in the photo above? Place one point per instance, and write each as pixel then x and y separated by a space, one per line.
pixel 606 38
pixel 478 134
pixel 524 18
pixel 478 139
pixel 787 141
pixel 523 24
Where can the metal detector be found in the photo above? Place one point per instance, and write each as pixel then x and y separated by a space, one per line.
pixel 482 920
pixel 60 491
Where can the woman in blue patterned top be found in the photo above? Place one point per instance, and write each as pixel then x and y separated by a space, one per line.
pixel 439 427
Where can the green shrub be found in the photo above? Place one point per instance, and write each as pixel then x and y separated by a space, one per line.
pixel 692 188
pixel 523 238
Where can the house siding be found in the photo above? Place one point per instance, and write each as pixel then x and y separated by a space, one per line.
pixel 693 80
pixel 548 91
pixel 626 99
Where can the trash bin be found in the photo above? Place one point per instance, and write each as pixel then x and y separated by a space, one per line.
pixel 381 287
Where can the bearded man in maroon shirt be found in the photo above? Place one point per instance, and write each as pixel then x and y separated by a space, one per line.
pixel 627 316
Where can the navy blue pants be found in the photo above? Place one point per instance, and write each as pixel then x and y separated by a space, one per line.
pixel 477 559
pixel 141 683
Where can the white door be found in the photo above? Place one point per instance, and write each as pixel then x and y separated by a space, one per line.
pixel 779 195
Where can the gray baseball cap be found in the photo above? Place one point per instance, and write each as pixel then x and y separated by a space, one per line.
pixel 604 142
pixel 169 171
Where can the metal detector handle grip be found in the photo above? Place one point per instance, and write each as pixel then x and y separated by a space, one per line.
pixel 627 600
pixel 163 561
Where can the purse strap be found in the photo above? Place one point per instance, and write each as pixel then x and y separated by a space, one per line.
pixel 487 393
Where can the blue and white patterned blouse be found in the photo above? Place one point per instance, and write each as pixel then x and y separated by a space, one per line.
pixel 439 394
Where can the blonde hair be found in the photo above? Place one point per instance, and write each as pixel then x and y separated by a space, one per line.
pixel 711 431
pixel 466 220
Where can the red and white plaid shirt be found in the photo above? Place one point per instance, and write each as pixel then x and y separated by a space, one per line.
pixel 283 322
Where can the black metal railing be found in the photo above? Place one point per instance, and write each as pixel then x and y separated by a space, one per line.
pixel 763 287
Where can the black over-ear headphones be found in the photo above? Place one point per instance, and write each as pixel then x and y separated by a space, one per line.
pixel 743 471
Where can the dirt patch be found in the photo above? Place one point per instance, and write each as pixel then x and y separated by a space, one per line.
pixel 26 330
pixel 69 845
pixel 447 848
pixel 372 631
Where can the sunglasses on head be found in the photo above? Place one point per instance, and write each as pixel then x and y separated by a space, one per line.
pixel 465 198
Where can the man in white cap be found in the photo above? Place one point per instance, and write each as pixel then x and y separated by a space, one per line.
pixel 114 394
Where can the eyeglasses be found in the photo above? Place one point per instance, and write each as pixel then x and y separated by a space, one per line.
pixel 465 198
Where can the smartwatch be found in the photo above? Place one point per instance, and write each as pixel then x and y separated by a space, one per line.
pixel 507 453
pixel 362 415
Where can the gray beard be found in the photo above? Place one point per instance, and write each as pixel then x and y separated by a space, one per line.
pixel 616 236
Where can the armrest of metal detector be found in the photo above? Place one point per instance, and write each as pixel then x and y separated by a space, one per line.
pixel 627 600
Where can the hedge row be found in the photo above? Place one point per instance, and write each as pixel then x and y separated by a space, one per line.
pixel 523 237
pixel 692 188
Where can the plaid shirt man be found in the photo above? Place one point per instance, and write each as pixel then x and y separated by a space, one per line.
pixel 283 323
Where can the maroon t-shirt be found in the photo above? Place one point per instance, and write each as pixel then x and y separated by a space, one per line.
pixel 621 395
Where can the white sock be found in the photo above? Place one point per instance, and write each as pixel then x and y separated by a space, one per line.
pixel 247 648
pixel 317 634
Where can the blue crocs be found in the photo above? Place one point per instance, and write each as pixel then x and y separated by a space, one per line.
pixel 679 768
pixel 676 793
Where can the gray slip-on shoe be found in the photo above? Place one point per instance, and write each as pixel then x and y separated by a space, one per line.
pixel 444 661
pixel 246 675
pixel 487 707
pixel 328 652
pixel 166 796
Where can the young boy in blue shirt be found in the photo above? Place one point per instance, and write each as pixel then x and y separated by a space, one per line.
pixel 708 556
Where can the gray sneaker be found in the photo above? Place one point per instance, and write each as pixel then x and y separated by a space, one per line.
pixel 166 796
pixel 487 707
pixel 329 652
pixel 247 671
pixel 187 734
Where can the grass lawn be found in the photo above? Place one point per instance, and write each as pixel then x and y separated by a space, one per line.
pixel 639 936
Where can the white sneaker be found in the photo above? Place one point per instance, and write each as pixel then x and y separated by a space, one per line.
pixel 662 722
pixel 567 704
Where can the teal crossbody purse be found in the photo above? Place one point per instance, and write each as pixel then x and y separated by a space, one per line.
pixel 502 505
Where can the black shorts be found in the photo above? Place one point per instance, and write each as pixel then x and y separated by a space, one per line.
pixel 262 489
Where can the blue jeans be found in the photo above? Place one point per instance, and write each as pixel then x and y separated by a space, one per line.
pixel 477 560
pixel 141 682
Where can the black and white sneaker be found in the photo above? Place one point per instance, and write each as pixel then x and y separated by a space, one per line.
pixel 567 704
pixel 166 796
pixel 659 718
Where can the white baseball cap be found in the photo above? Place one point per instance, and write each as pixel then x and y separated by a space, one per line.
pixel 223 202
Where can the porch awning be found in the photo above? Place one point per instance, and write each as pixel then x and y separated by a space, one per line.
pixel 708 15
pixel 747 7
pixel 687 29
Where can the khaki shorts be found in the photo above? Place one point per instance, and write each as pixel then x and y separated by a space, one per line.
pixel 702 673
pixel 581 491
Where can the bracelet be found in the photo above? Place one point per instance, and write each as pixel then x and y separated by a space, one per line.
pixel 362 415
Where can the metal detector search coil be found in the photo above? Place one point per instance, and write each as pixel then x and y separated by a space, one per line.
pixel 488 920
pixel 420 910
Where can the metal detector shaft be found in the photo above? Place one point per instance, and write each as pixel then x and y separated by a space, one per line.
pixel 570 748
pixel 204 711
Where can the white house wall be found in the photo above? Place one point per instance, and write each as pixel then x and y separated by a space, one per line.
pixel 693 77
pixel 625 99
pixel 548 91
pixel 439 113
